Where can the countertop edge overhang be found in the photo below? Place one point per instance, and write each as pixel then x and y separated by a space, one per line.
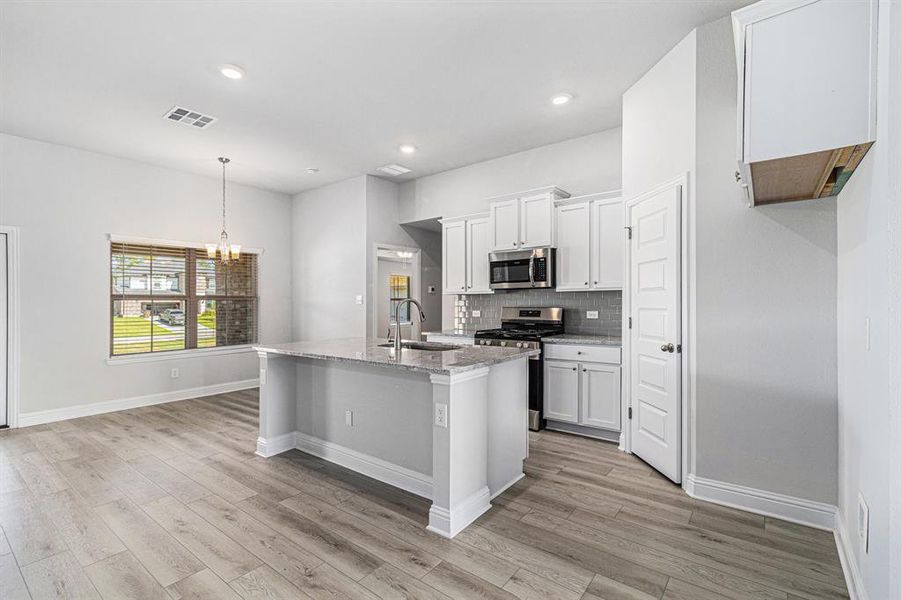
pixel 367 351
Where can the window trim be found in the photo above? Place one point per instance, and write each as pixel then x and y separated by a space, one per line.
pixel 199 249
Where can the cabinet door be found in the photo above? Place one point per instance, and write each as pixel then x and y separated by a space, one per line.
pixel 600 397
pixel 607 244
pixel 505 224
pixel 454 257
pixel 573 248
pixel 536 221
pixel 477 247
pixel 561 391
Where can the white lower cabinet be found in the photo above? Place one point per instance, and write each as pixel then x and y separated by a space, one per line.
pixel 583 393
pixel 561 391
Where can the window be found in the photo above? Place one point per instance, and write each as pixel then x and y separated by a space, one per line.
pixel 165 298
pixel 399 289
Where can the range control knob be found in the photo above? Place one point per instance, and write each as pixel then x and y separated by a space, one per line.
pixel 520 345
pixel 486 342
pixel 503 343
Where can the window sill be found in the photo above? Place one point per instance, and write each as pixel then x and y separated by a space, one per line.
pixel 178 354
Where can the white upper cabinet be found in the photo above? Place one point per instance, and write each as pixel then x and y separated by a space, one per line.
pixel 524 219
pixel 505 224
pixel 478 232
pixel 464 255
pixel 536 221
pixel 608 240
pixel 453 256
pixel 590 242
pixel 573 246
pixel 806 95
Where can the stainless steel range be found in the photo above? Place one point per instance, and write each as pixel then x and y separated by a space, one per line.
pixel 524 327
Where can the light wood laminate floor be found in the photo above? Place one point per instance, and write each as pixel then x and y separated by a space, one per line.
pixel 170 501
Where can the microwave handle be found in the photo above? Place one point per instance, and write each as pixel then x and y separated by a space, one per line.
pixel 532 271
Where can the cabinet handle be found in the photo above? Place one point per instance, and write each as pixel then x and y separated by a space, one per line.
pixel 579 352
pixel 595 282
pixel 575 369
pixel 584 370
pixel 586 283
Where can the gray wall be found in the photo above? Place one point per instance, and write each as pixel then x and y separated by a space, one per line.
pixel 329 261
pixel 65 202
pixel 582 165
pixel 766 328
pixel 608 304
pixel 866 246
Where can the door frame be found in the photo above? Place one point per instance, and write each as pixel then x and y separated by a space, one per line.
pixel 687 264
pixel 415 292
pixel 12 325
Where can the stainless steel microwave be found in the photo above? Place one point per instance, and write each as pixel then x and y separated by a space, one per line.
pixel 522 269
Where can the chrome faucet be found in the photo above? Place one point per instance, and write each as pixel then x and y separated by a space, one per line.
pixel 397 341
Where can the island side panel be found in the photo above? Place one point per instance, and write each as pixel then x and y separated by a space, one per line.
pixel 277 404
pixel 460 451
pixel 508 423
pixel 388 435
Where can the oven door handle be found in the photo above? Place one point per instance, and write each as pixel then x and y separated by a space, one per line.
pixel 532 271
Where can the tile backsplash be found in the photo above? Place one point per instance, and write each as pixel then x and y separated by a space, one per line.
pixel 608 304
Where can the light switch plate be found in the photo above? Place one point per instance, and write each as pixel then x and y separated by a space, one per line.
pixel 591 314
pixel 477 313
pixel 349 418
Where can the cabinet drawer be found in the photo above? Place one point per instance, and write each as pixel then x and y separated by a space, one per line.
pixel 603 354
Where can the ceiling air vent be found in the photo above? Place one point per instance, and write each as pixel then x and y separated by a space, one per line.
pixel 393 170
pixel 189 117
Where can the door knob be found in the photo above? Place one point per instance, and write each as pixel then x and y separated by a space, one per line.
pixel 668 348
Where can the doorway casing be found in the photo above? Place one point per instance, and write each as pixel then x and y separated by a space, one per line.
pixel 415 288
pixel 12 329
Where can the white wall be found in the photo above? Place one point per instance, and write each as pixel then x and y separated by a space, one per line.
pixel 766 358
pixel 329 261
pixel 765 277
pixel 868 238
pixel 65 202
pixel 591 163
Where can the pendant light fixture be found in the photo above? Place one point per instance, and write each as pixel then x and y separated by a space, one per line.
pixel 225 251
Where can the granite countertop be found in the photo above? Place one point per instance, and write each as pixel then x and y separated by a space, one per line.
pixel 584 339
pixel 368 351
pixel 464 333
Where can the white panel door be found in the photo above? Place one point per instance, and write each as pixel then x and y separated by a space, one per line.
pixel 478 232
pixel 600 400
pixel 608 241
pixel 454 257
pixel 505 224
pixel 536 221
pixel 573 246
pixel 561 391
pixel 4 330
pixel 655 363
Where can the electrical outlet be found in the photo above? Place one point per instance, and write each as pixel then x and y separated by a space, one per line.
pixel 863 523
pixel 591 314
pixel 349 418
pixel 262 376
pixel 174 374
pixel 358 299
pixel 441 415
pixel 476 313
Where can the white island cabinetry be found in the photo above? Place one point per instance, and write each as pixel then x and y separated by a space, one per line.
pixel 451 426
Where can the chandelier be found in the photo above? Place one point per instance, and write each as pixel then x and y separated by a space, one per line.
pixel 225 251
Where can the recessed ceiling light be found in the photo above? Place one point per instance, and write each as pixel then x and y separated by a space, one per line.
pixel 232 71
pixel 561 99
pixel 407 148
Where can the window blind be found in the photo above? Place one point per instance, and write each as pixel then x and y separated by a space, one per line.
pixel 167 298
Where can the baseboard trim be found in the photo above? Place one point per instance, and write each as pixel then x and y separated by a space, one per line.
pixel 506 487
pixel 97 408
pixel 448 523
pixel 853 578
pixel 267 447
pixel 403 478
pixel 762 502
pixel 605 435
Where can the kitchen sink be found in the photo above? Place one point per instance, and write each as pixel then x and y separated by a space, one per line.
pixel 433 346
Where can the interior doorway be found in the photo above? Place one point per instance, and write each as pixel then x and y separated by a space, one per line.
pixel 397 278
pixel 8 328
pixel 654 299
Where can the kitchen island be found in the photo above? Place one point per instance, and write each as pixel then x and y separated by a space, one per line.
pixel 450 425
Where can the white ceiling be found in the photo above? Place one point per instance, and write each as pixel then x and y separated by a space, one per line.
pixel 332 85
